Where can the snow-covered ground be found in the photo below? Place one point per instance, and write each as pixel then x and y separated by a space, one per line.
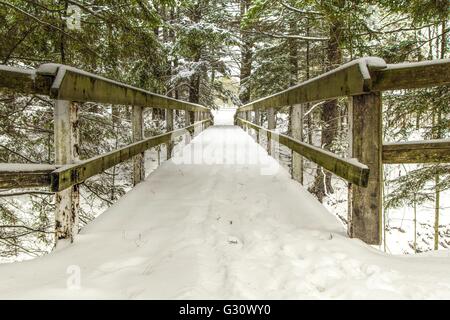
pixel 222 220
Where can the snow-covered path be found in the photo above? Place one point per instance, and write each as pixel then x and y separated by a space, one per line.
pixel 222 220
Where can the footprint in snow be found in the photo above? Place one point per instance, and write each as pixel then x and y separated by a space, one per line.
pixel 234 241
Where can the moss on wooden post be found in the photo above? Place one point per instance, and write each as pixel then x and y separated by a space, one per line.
pixel 271 126
pixel 169 127
pixel 296 122
pixel 187 123
pixel 66 152
pixel 258 123
pixel 138 135
pixel 366 145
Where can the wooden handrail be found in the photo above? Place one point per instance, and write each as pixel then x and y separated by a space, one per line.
pixel 412 75
pixel 67 83
pixel 357 77
pixel 427 151
pixel 349 169
pixel 352 78
pixel 62 177
pixel 25 175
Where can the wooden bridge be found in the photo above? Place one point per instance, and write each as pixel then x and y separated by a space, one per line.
pixel 362 80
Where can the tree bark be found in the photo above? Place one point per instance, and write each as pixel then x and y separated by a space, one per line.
pixel 330 113
pixel 246 59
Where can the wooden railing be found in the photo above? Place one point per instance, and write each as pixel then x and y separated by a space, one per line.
pixel 362 80
pixel 69 86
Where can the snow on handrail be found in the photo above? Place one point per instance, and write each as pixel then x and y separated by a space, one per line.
pixel 365 75
pixel 25 175
pixel 352 78
pixel 68 83
pixel 60 177
pixel 425 151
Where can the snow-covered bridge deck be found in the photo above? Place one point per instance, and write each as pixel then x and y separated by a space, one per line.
pixel 221 220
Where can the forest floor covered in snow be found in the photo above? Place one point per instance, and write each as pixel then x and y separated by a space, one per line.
pixel 222 220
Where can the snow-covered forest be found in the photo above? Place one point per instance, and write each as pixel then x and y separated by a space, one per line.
pixel 223 53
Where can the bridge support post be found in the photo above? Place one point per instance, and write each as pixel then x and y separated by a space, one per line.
pixel 365 204
pixel 66 152
pixel 138 134
pixel 169 127
pixel 270 125
pixel 258 123
pixel 187 122
pixel 296 121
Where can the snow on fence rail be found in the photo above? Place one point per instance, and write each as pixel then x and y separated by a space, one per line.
pixel 428 151
pixel 59 178
pixel 365 75
pixel 68 86
pixel 24 175
pixel 62 82
pixel 69 175
pixel 361 80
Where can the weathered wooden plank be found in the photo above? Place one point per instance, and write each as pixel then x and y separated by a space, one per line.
pixel 67 202
pixel 24 80
pixel 412 75
pixel 428 151
pixel 67 176
pixel 366 203
pixel 358 77
pixel 349 169
pixel 67 83
pixel 352 78
pixel 19 175
pixel 77 85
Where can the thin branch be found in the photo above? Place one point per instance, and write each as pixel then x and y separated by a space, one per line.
pixel 96 194
pixel 13 194
pixel 25 35
pixel 51 26
pixel 24 227
pixel 18 154
pixel 313 107
pixel 300 10
pixel 292 36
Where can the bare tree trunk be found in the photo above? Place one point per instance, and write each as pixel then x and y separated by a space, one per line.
pixel 438 135
pixel 194 83
pixel 246 59
pixel 330 113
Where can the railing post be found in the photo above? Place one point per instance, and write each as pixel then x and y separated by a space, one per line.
pixel 66 152
pixel 138 134
pixel 169 127
pixel 366 145
pixel 270 125
pixel 297 133
pixel 187 122
pixel 257 122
